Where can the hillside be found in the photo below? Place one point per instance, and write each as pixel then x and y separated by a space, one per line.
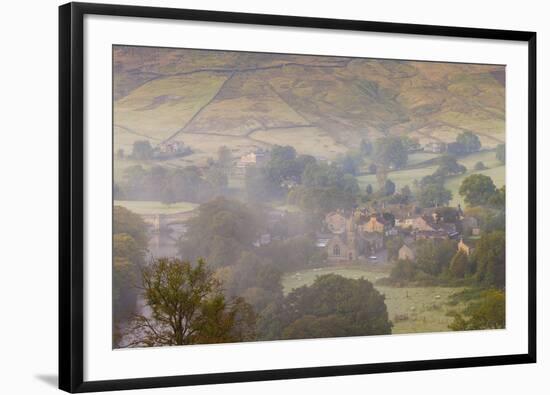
pixel 321 105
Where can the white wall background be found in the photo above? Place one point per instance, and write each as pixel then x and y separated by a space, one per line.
pixel 28 198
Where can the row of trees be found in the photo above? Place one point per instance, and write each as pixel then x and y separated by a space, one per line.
pixel 465 143
pixel 188 306
pixel 224 233
pixel 439 262
pixel 143 150
pixel 238 295
pixel 170 185
pixel 476 189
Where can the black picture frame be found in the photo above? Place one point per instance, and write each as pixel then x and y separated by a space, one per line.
pixel 71 198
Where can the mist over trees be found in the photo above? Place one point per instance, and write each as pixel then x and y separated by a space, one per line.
pixel 234 241
pixel 169 185
pixel 432 192
pixel 269 182
pixel 324 188
pixel 390 152
pixel 129 247
pixel 222 229
pixel 142 150
pixel 466 142
pixel 188 307
pixel 501 153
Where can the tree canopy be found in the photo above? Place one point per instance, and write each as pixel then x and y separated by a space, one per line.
pixel 332 306
pixel 490 259
pixel 390 152
pixel 487 313
pixel 477 189
pixel 324 188
pixel 432 193
pixel 469 141
pixel 222 229
pixel 129 247
pixel 187 306
pixel 142 150
pixel 433 256
pixel 125 221
pixel 168 185
pixel 448 166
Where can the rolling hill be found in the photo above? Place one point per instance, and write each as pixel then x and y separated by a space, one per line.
pixel 321 105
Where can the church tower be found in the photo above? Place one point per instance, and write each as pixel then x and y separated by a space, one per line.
pixel 351 230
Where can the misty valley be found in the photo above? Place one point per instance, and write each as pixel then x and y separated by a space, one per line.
pixel 269 197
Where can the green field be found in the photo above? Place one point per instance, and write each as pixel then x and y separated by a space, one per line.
pixel 148 207
pixel 419 157
pixel 495 170
pixel 320 105
pixel 399 177
pixel 453 183
pixel 421 309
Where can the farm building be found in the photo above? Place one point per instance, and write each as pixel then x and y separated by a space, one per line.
pixel 406 253
pixel 435 147
pixel 255 158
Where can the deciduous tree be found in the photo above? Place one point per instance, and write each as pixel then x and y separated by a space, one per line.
pixel 187 306
pixel 477 189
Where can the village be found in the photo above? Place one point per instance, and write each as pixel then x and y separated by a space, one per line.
pixel 362 234
pixel 347 237
pixel 287 188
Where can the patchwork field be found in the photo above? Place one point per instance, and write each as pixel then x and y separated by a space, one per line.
pixel 306 140
pixel 321 105
pixel 416 171
pixel 399 177
pixel 161 107
pixel 412 309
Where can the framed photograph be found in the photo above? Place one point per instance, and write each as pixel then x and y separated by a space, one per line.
pixel 253 197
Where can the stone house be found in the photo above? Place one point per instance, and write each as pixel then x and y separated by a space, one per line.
pixel 465 247
pixel 376 223
pixel 254 158
pixel 406 253
pixel 423 223
pixel 436 147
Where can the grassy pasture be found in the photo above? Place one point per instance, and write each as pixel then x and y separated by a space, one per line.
pixel 425 308
pixel 162 106
pixel 206 146
pixel 453 183
pixel 124 139
pixel 487 157
pixel 403 177
pixel 149 207
pixel 399 177
pixel 419 157
pixel 495 170
pixel 306 140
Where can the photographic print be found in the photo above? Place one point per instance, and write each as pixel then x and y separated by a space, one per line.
pixel 265 196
